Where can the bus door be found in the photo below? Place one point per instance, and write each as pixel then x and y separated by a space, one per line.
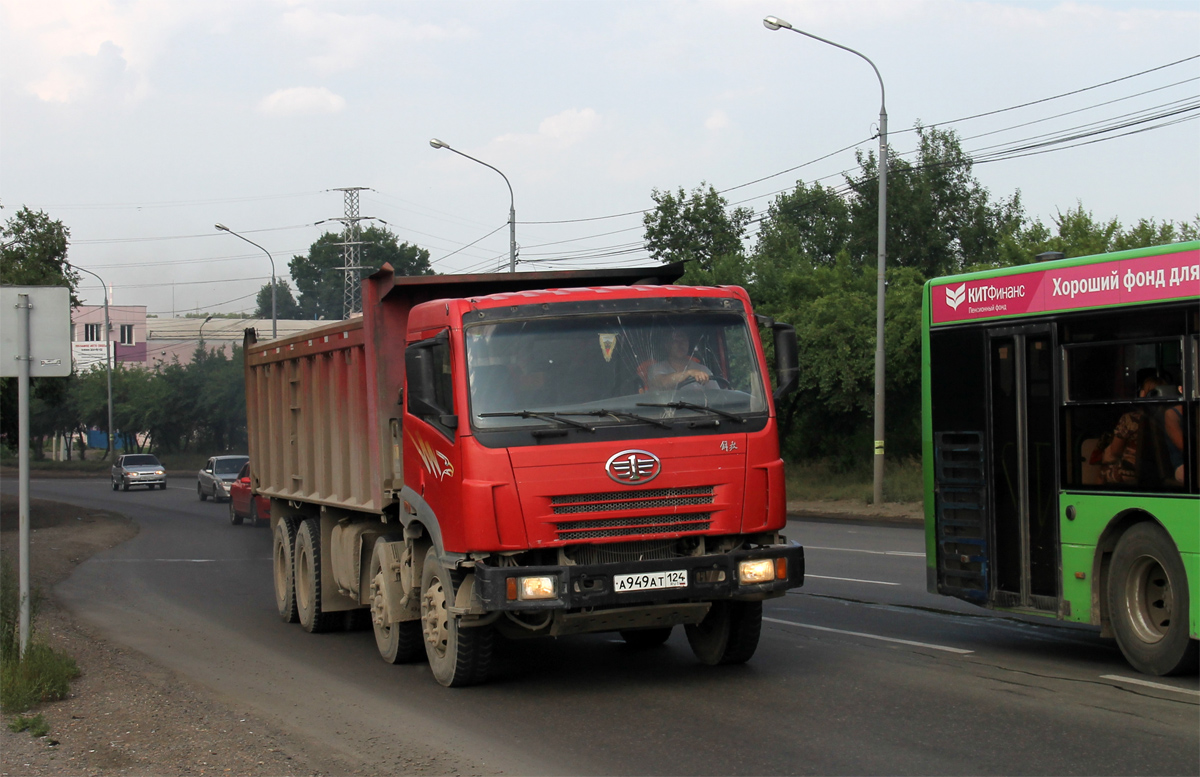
pixel 1024 490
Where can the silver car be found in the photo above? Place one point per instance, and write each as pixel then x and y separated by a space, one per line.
pixel 138 469
pixel 218 473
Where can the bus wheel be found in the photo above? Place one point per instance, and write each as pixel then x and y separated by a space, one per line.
pixel 728 634
pixel 285 580
pixel 1148 602
pixel 399 642
pixel 307 562
pixel 458 656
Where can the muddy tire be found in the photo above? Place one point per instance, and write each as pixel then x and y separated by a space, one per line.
pixel 234 518
pixel 399 642
pixel 458 656
pixel 728 634
pixel 646 638
pixel 307 563
pixel 284 569
pixel 1148 602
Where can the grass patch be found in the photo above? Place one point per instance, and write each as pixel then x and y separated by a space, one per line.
pixel 43 673
pixel 36 725
pixel 819 481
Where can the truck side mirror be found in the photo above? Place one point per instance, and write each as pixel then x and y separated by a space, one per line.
pixel 787 363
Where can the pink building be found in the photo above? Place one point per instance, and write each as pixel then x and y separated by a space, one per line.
pixel 127 333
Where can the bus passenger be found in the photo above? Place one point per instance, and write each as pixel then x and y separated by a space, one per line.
pixel 1120 461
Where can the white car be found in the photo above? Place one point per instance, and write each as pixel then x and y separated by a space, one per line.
pixel 218 473
pixel 138 469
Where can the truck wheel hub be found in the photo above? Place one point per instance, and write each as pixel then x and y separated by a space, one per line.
pixel 433 612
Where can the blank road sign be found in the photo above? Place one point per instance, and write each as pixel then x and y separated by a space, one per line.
pixel 49 331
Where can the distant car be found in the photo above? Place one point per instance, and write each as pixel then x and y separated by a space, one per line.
pixel 218 473
pixel 243 504
pixel 138 469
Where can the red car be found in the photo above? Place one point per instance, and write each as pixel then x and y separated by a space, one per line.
pixel 243 504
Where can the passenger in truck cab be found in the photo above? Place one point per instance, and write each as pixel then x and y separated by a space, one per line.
pixel 678 367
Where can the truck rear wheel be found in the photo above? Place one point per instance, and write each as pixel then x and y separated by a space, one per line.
pixel 399 642
pixel 728 634
pixel 307 563
pixel 458 656
pixel 285 574
pixel 1148 602
pixel 646 638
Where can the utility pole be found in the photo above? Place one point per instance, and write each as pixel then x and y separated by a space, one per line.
pixel 351 252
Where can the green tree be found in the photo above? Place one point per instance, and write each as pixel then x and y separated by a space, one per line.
pixel 700 228
pixel 34 252
pixel 286 305
pixel 321 284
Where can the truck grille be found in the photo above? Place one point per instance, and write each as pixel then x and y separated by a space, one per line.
pixel 641 550
pixel 631 500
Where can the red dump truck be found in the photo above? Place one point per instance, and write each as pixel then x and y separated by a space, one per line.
pixel 523 455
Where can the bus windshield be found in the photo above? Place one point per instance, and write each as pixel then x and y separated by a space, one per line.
pixel 633 367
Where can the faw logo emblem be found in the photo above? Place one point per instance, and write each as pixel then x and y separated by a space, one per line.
pixel 956 297
pixel 632 467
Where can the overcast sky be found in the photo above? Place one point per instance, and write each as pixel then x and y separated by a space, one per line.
pixel 140 123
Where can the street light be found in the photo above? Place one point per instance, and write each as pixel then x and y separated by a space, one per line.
pixel 107 352
pixel 512 209
pixel 775 23
pixel 202 323
pixel 274 320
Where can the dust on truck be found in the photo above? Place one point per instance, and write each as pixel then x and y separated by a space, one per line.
pixel 524 455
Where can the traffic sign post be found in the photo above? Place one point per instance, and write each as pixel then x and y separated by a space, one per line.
pixel 35 341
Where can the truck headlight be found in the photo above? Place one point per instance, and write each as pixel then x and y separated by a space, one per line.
pixel 759 570
pixel 538 587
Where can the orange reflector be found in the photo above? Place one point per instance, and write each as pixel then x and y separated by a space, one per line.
pixel 511 588
pixel 1081 576
pixel 781 569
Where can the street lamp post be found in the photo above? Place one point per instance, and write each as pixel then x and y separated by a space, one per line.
pixel 775 23
pixel 202 323
pixel 274 320
pixel 512 208
pixel 107 353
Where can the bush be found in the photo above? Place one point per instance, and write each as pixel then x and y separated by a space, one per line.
pixel 43 674
pixel 823 480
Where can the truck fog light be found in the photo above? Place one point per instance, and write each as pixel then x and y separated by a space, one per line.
pixel 539 588
pixel 760 570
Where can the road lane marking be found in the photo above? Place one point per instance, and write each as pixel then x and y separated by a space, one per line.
pixel 872 552
pixel 848 579
pixel 1146 683
pixel 959 651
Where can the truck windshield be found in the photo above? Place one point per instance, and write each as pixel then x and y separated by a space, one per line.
pixel 640 368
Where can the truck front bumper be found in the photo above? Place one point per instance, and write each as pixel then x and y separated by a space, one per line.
pixel 709 578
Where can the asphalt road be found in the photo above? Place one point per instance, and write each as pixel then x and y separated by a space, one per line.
pixel 859 672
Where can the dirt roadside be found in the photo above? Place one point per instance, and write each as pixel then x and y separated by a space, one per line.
pixel 126 715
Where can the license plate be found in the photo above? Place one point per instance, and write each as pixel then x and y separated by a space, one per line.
pixel 649 581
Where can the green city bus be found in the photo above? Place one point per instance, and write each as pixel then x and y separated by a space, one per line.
pixel 1060 427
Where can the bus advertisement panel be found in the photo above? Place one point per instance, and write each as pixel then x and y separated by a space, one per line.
pixel 1061 421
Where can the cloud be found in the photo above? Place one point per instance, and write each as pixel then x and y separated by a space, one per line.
pixel 717 120
pixel 561 130
pixel 345 41
pixel 301 101
pixel 65 50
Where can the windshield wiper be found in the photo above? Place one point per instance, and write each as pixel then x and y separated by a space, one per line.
pixel 547 416
pixel 693 406
pixel 619 414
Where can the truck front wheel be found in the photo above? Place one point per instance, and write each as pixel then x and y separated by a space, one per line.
pixel 307 562
pixel 728 634
pixel 1148 602
pixel 399 642
pixel 285 574
pixel 458 656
